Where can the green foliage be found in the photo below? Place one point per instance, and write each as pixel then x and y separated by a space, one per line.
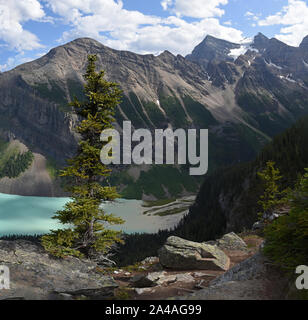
pixel 87 223
pixel 272 197
pixel 258 106
pixel 14 164
pixel 155 114
pixel 199 114
pixel 238 186
pixel 287 237
pixel 139 246
pixel 123 293
pixel 174 111
pixel 132 114
pixel 75 89
pixel 135 101
pixel 52 167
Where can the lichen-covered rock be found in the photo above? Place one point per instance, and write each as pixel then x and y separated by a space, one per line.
pixel 231 241
pixel 152 279
pixel 36 275
pixel 181 254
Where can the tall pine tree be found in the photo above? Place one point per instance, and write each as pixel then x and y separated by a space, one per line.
pixel 87 231
pixel 272 197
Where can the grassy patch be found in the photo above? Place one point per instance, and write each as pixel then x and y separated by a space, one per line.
pixel 161 202
pixel 123 293
pixel 52 168
pixel 171 211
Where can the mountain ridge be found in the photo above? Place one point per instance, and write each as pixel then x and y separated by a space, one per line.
pixel 243 100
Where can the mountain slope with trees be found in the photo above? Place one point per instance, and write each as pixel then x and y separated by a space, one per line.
pixel 228 198
pixel 243 100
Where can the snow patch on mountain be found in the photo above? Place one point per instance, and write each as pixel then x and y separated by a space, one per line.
pixel 245 46
pixel 287 78
pixel 271 64
pixel 235 53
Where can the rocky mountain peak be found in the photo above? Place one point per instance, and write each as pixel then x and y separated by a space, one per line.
pixel 304 43
pixel 260 41
pixel 212 48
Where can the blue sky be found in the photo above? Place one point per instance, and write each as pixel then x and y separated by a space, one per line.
pixel 30 28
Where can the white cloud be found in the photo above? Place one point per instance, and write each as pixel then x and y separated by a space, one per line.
pixel 14 61
pixel 195 8
pixel 294 19
pixel 13 13
pixel 252 16
pixel 107 21
pixel 249 14
pixel 166 3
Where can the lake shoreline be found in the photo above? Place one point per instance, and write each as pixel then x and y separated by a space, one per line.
pixel 27 215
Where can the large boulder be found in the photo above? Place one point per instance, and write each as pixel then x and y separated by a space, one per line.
pixel 181 254
pixel 34 275
pixel 231 241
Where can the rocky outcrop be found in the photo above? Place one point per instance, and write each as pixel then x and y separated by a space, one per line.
pixel 152 279
pixel 36 276
pixel 181 254
pixel 252 279
pixel 231 241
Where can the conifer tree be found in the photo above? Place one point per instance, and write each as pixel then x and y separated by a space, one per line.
pixel 87 232
pixel 287 237
pixel 272 196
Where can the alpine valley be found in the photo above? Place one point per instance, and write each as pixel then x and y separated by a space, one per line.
pixel 243 93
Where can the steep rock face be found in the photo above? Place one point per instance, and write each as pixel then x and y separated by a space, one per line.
pixel 222 73
pixel 260 42
pixel 212 49
pixel 33 120
pixel 304 44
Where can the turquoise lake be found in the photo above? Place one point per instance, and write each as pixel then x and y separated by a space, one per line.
pixel 32 215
